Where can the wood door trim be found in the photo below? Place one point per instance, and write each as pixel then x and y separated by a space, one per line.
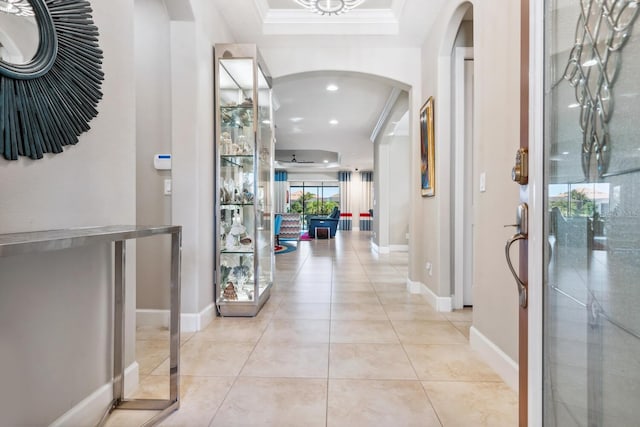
pixel 523 324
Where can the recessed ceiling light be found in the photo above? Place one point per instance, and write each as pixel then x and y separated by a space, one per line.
pixel 266 122
pixel 564 153
pixel 332 87
pixel 326 161
pixel 296 119
pixel 333 122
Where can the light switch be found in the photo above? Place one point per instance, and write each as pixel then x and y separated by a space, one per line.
pixel 483 182
pixel 167 187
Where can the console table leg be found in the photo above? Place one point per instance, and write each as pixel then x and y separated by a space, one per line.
pixel 118 322
pixel 174 327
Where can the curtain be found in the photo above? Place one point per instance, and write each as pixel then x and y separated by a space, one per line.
pixel 281 192
pixel 345 200
pixel 366 207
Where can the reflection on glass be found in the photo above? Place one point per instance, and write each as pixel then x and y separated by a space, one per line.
pixel 309 199
pixel 244 181
pixel 19 35
pixel 592 292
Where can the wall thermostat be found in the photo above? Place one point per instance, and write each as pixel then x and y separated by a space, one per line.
pixel 162 161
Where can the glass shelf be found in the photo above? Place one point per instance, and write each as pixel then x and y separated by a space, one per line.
pixel 244 181
pixel 237 251
pixel 228 206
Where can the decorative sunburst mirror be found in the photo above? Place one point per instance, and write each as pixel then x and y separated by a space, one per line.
pixel 49 88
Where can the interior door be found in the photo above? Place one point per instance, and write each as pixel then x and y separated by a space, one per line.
pixel 591 292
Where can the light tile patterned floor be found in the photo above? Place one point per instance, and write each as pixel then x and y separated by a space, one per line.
pixel 340 343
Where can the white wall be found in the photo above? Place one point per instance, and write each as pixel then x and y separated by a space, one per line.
pixel 176 108
pixel 312 176
pixel 153 136
pixel 55 308
pixel 392 182
pixel 496 52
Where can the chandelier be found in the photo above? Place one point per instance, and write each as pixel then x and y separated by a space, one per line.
pixel 16 7
pixel 330 7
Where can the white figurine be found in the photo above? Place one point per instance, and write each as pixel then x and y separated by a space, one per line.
pixel 235 233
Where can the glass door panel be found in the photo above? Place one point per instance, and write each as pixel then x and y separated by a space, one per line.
pixel 592 196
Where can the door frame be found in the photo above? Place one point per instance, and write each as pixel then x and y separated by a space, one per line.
pixel 461 175
pixel 535 194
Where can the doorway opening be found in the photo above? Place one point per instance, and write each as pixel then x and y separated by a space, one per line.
pixel 463 168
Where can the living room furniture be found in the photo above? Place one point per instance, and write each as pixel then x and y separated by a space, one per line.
pixel 330 221
pixel 277 223
pixel 290 227
pixel 52 240
pixel 323 232
pixel 244 252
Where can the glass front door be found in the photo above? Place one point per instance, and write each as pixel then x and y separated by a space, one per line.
pixel 592 224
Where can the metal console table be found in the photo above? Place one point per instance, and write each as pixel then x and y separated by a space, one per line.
pixel 42 241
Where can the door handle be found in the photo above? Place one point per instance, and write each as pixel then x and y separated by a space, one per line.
pixel 522 287
pixel 522 232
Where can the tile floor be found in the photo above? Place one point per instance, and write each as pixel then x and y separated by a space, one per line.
pixel 339 343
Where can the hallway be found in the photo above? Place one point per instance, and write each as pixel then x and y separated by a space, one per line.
pixel 340 343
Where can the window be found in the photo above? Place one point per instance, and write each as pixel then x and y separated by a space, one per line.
pixel 314 198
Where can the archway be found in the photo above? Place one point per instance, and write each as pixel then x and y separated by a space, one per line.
pixel 352 119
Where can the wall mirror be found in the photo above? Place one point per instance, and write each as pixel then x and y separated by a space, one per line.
pixel 50 75
pixel 19 35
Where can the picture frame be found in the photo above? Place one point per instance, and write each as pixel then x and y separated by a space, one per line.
pixel 427 149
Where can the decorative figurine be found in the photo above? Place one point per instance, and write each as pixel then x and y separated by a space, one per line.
pixel 230 292
pixel 225 143
pixel 243 145
pixel 236 232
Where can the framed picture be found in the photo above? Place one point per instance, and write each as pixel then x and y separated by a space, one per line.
pixel 427 150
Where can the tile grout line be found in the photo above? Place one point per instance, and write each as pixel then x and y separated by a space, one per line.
pixel 237 376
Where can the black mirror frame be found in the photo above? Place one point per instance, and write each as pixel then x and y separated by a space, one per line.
pixel 47 103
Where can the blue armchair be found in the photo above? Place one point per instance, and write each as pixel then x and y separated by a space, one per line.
pixel 330 221
pixel 277 223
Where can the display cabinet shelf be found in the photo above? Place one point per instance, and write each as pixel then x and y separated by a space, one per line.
pixel 244 258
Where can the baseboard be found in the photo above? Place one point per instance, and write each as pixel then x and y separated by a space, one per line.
pixel 414 287
pixel 189 322
pixel 90 410
pixel 399 248
pixel 442 304
pixel 497 359
pixel 380 249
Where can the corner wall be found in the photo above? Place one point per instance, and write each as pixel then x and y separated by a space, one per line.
pixel 180 96
pixel 153 136
pixel 392 177
pixel 496 52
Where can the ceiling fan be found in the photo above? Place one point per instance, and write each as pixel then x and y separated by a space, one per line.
pixel 294 160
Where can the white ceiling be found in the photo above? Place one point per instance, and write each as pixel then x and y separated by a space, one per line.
pixel 306 108
pixel 360 100
pixel 282 23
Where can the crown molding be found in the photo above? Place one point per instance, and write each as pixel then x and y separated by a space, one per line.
pixel 356 22
pixel 365 22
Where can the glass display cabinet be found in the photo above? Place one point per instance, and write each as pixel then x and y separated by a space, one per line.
pixel 244 254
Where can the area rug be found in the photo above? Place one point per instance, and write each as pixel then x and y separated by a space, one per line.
pixel 304 237
pixel 284 248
